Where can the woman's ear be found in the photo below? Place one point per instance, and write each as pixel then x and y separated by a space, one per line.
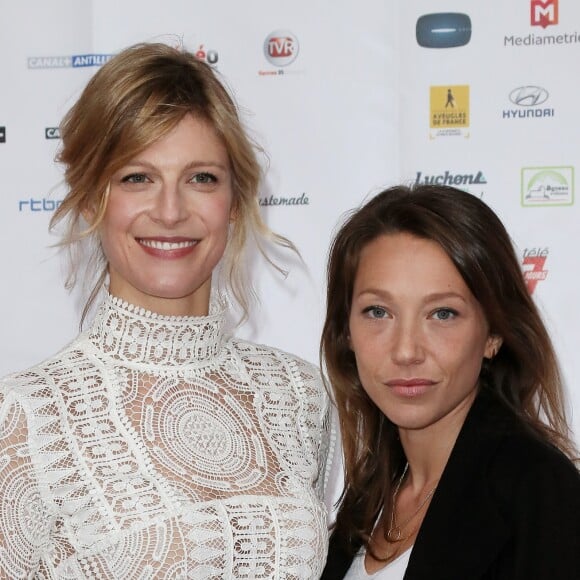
pixel 492 346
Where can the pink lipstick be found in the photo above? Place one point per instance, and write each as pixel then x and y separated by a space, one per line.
pixel 410 387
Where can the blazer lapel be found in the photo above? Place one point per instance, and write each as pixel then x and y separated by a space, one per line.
pixel 463 532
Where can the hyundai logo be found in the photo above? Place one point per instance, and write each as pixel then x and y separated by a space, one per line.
pixel 529 96
pixel 443 30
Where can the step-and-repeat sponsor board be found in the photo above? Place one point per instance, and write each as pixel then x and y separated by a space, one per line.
pixel 345 98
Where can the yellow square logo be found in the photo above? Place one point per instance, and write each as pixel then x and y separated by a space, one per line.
pixel 449 107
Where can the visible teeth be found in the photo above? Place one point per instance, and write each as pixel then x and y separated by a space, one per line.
pixel 167 245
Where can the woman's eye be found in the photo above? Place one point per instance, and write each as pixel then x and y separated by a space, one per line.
pixel 135 178
pixel 444 314
pixel 375 312
pixel 204 177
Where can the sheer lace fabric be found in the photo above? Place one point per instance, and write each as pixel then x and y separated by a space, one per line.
pixel 159 447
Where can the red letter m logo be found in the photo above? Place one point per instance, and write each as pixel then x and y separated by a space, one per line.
pixel 544 12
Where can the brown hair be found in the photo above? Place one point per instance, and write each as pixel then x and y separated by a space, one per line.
pixel 137 97
pixel 524 374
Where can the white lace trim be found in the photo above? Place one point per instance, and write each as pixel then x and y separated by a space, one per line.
pixel 136 335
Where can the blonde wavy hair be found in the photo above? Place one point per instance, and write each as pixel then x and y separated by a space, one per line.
pixel 140 95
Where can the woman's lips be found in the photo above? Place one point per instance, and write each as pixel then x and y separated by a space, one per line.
pixel 410 387
pixel 168 248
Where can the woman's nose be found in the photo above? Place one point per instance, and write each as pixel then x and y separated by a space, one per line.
pixel 407 346
pixel 170 207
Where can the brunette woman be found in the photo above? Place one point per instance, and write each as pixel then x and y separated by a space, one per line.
pixel 458 458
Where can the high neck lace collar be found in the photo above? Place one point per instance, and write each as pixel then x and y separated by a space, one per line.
pixel 135 335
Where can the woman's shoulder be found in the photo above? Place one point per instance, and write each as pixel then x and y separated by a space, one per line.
pixel 24 381
pixel 521 470
pixel 269 357
pixel 18 392
pixel 504 462
pixel 508 445
pixel 535 488
pixel 273 369
pixel 525 456
pixel 42 374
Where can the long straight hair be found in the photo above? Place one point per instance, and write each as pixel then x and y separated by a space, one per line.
pixel 524 374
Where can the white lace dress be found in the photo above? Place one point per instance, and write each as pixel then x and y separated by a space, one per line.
pixel 159 447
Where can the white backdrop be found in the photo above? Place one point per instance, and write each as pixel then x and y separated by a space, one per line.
pixel 349 115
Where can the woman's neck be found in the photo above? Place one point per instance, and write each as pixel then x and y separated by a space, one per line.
pixel 427 450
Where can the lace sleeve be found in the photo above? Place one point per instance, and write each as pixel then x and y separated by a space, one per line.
pixel 334 480
pixel 316 420
pixel 24 521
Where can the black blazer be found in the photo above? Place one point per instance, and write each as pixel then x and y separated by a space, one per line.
pixel 507 507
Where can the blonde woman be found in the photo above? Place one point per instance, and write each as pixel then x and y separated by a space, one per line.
pixel 156 445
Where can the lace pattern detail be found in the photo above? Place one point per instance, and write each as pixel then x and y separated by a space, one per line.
pixel 157 447
pixel 135 335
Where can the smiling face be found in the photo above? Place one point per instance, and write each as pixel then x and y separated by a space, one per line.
pixel 166 223
pixel 417 332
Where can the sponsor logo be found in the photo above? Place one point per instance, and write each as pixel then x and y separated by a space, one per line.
pixel 543 13
pixel 73 61
pixel 2 134
pixel 543 186
pixel 528 98
pixel 281 200
pixel 281 49
pixel 38 205
pixel 533 262
pixel 209 56
pixel 443 30
pixel 449 111
pixel 544 40
pixel 449 178
pixel 52 133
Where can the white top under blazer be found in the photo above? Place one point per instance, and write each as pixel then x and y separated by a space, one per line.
pixel 394 570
